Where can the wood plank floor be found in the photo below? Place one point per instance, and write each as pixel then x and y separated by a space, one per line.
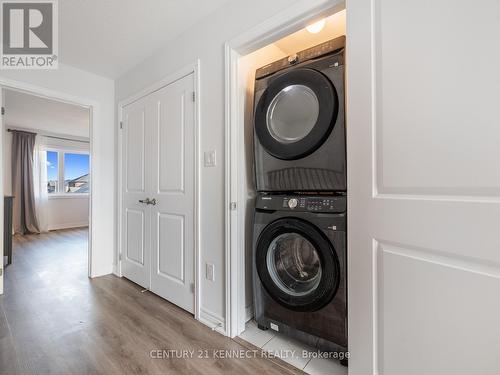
pixel 55 320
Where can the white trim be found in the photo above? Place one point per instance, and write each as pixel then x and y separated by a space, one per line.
pixel 290 20
pixel 117 264
pixel 93 107
pixel 212 320
pixel 65 150
pixel 181 73
pixel 197 190
pixel 193 68
pixel 68 196
pixel 81 224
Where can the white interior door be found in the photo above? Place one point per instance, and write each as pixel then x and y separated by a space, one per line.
pixel 136 183
pixel 172 218
pixel 424 187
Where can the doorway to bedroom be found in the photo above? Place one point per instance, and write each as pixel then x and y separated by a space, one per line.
pixel 47 193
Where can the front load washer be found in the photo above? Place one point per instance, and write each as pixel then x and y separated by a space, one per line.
pixel 299 268
pixel 299 127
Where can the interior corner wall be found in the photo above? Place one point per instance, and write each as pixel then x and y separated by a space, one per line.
pixel 206 41
pixel 80 84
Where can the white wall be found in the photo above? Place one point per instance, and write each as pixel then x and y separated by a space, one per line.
pixel 68 212
pixel 206 41
pixel 45 115
pixel 99 91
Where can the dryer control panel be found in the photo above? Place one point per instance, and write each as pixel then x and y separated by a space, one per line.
pixel 301 203
pixel 322 49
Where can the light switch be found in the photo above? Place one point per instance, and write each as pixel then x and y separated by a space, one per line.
pixel 210 272
pixel 209 158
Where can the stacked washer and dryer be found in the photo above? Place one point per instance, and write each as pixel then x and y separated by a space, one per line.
pixel 299 240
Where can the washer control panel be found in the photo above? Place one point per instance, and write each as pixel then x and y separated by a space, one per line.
pixel 293 202
pixel 325 204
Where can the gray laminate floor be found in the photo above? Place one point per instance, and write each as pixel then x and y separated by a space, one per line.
pixel 54 320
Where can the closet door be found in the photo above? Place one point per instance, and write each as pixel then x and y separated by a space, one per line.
pixel 172 217
pixel 136 220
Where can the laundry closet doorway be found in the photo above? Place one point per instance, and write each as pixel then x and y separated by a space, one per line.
pixel 159 189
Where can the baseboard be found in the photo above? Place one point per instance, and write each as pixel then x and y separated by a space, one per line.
pixel 214 321
pixel 248 313
pixel 102 271
pixel 68 225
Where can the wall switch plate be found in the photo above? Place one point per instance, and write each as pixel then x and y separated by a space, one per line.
pixel 209 158
pixel 210 272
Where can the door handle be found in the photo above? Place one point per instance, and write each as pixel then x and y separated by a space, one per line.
pixel 148 201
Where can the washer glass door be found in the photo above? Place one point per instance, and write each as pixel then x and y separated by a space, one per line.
pixel 297 264
pixel 294 264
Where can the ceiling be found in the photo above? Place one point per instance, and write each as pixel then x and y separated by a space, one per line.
pixel 108 37
pixel 302 39
pixel 26 111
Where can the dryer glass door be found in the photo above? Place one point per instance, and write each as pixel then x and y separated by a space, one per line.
pixel 296 113
pixel 292 114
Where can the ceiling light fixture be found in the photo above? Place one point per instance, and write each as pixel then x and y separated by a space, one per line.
pixel 316 27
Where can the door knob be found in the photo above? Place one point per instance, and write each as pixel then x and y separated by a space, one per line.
pixel 148 201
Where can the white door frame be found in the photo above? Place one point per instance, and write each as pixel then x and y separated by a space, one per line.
pixel 184 71
pixel 292 19
pixel 93 108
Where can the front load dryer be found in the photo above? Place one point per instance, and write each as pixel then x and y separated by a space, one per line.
pixel 299 127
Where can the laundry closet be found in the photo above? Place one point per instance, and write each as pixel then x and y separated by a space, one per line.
pixel 295 184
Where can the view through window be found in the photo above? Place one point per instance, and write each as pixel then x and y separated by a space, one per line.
pixel 52 172
pixel 72 177
pixel 76 173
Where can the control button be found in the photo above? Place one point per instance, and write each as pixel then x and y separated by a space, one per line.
pixel 292 203
pixel 293 59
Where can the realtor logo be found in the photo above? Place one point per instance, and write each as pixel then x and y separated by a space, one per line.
pixel 29 34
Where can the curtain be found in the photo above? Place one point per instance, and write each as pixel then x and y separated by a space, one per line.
pixel 23 147
pixel 40 184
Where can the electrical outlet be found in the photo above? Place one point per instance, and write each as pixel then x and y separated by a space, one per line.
pixel 210 272
pixel 209 158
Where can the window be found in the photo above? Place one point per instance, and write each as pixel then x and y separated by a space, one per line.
pixel 52 172
pixel 67 172
pixel 76 173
